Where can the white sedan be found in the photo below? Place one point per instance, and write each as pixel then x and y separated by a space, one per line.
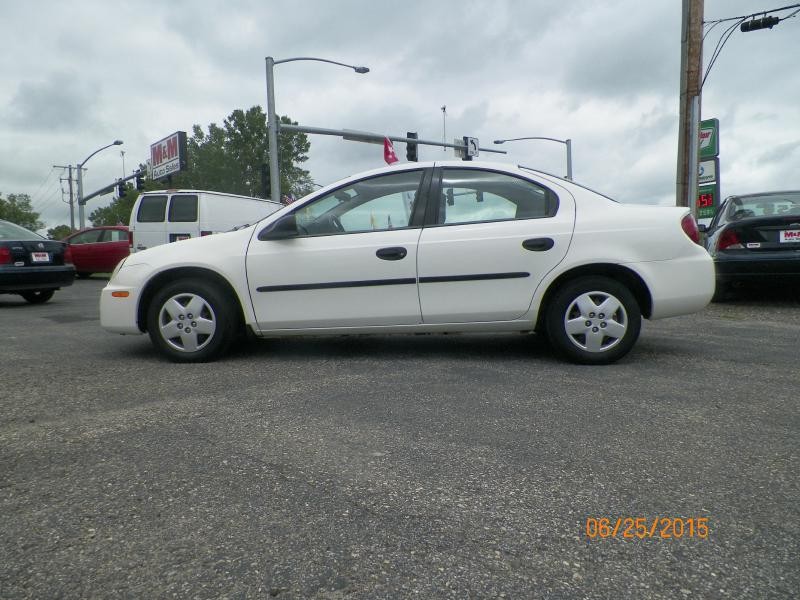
pixel 423 247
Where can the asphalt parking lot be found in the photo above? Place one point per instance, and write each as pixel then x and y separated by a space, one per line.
pixel 394 467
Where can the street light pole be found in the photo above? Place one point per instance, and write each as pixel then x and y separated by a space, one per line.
pixel 567 143
pixel 272 118
pixel 81 216
pixel 272 136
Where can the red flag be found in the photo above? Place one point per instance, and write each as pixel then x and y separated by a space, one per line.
pixel 388 151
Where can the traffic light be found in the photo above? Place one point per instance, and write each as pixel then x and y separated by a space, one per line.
pixel 265 181
pixel 121 190
pixel 140 181
pixel 762 23
pixel 411 147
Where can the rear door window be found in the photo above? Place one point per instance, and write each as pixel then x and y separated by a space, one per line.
pixel 87 237
pixel 183 208
pixel 152 209
pixel 472 196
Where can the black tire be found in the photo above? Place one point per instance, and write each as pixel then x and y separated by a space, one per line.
pixel 38 296
pixel 83 275
pixel 207 317
pixel 723 292
pixel 583 334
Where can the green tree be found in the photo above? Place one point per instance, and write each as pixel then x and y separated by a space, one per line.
pixel 59 232
pixel 17 209
pixel 230 158
pixel 118 212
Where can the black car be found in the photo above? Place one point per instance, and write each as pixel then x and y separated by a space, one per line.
pixel 31 265
pixel 755 237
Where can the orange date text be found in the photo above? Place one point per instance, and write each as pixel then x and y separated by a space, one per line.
pixel 641 528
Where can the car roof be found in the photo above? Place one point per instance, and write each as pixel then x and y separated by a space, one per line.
pixel 122 227
pixel 762 194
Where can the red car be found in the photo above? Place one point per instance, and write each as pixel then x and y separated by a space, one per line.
pixel 98 249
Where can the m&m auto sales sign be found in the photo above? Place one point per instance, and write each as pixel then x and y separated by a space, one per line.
pixel 168 156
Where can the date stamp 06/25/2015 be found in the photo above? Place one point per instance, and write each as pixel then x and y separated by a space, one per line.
pixel 633 528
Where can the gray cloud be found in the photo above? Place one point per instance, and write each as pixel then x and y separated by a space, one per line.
pixel 60 102
pixel 604 74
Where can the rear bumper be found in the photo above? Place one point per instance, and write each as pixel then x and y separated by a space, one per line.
pixel 757 266
pixel 680 286
pixel 16 279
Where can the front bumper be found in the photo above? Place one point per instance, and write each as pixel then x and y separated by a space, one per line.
pixel 119 300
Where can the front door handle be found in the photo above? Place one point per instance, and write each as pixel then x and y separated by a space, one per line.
pixel 538 244
pixel 396 253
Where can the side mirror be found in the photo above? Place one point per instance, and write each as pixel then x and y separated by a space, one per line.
pixel 282 229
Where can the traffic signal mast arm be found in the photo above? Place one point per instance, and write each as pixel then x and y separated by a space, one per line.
pixel 377 138
pixel 138 176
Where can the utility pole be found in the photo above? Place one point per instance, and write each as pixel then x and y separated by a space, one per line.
pixel 690 100
pixel 71 198
pixel 444 126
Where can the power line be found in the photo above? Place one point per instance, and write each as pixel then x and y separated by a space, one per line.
pixel 723 39
pixel 44 181
pixel 50 201
pixel 761 12
pixel 726 35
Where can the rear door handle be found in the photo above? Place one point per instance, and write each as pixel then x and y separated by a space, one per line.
pixel 538 244
pixel 396 253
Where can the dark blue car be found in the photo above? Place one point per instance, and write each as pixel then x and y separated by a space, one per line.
pixel 31 265
pixel 755 237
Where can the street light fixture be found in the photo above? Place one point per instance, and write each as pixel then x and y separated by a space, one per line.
pixel 567 143
pixel 81 216
pixel 272 119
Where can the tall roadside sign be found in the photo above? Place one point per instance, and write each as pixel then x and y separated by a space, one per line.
pixel 708 199
pixel 168 156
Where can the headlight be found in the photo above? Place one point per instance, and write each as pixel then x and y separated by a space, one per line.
pixel 117 268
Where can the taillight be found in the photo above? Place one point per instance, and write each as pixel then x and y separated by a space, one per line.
pixel 689 226
pixel 67 255
pixel 5 256
pixel 205 233
pixel 130 240
pixel 729 240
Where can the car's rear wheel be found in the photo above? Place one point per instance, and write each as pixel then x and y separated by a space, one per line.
pixel 83 275
pixel 191 321
pixel 593 320
pixel 723 291
pixel 38 296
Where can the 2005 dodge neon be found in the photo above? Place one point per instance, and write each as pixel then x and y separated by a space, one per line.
pixel 423 247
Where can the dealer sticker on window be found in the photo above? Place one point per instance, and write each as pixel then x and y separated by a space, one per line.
pixel 40 257
pixel 790 235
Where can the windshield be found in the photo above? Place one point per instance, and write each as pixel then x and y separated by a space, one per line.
pixel 11 231
pixel 786 203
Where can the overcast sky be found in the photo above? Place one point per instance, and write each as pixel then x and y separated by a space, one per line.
pixel 605 73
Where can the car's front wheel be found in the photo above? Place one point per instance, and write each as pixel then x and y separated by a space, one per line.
pixel 38 296
pixel 593 320
pixel 191 321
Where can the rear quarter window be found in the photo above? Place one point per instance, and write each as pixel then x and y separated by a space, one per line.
pixel 183 208
pixel 152 209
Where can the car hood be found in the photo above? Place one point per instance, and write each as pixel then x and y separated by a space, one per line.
pixel 199 251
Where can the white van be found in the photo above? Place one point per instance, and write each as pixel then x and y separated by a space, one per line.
pixel 172 215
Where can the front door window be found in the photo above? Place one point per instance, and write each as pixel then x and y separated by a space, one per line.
pixel 376 204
